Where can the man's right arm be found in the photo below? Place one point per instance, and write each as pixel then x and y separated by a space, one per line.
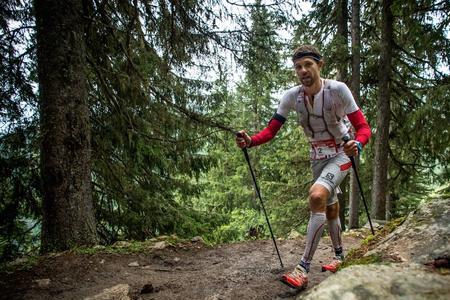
pixel 269 132
pixel 276 122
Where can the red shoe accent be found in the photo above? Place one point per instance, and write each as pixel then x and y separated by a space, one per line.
pixel 333 267
pixel 296 279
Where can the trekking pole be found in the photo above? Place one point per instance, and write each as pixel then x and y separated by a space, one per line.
pixel 247 158
pixel 346 138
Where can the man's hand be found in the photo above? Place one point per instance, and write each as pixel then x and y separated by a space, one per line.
pixel 352 148
pixel 243 140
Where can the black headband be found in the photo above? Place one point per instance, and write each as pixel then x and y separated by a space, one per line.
pixel 313 55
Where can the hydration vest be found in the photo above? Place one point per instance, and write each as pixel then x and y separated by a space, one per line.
pixel 333 115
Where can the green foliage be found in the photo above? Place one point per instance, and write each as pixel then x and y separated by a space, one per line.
pixel 241 223
pixel 19 148
pixel 146 143
pixel 281 167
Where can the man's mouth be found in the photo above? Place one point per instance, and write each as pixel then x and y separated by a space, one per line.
pixel 306 78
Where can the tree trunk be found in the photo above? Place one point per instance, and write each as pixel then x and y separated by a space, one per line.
pixel 380 179
pixel 342 37
pixel 353 221
pixel 342 55
pixel 68 217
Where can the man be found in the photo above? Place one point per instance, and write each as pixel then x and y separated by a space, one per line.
pixel 326 110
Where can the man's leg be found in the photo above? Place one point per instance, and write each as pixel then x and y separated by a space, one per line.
pixel 334 227
pixel 318 196
pixel 331 176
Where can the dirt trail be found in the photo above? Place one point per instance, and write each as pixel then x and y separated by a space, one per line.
pixel 247 270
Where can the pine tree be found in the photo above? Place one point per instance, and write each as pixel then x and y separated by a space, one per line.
pixel 68 216
pixel 342 67
pixel 354 192
pixel 380 180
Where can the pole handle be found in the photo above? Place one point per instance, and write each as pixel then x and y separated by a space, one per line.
pixel 240 135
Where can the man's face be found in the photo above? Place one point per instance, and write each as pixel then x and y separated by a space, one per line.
pixel 307 70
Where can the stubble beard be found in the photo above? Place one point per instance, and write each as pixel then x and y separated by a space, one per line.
pixel 307 81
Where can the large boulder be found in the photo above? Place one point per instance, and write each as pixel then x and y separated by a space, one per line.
pixel 382 282
pixel 409 268
pixel 423 237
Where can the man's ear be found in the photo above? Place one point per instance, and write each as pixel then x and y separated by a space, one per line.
pixel 320 63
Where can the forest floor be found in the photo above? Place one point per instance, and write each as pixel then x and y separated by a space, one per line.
pixel 187 270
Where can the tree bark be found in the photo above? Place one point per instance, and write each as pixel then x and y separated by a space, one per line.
pixel 342 36
pixel 342 55
pixel 354 197
pixel 380 178
pixel 68 216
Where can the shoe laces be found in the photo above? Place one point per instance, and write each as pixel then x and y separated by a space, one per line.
pixel 299 272
pixel 336 261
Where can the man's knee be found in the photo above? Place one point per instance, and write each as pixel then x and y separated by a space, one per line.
pixel 318 196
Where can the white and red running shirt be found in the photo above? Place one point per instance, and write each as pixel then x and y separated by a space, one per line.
pixel 325 117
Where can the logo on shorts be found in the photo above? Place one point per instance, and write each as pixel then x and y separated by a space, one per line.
pixel 329 177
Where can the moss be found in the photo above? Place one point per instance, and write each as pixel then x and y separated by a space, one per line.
pixel 364 260
pixel 356 256
pixel 443 271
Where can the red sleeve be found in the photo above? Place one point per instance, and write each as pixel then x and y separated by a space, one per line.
pixel 267 133
pixel 362 128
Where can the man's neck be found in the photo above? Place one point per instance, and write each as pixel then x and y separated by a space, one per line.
pixel 315 88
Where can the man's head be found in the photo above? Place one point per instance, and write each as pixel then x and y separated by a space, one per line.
pixel 307 64
pixel 306 51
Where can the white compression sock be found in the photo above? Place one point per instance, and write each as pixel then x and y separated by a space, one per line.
pixel 314 233
pixel 334 227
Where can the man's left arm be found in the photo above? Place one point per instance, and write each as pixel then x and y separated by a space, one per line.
pixel 355 116
pixel 361 126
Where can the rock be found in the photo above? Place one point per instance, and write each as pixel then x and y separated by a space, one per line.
pixel 18 262
pixel 43 283
pixel 197 239
pixel 176 259
pixel 294 234
pixel 122 244
pixel 382 282
pixel 423 237
pixel 117 292
pixel 159 245
pixel 133 264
